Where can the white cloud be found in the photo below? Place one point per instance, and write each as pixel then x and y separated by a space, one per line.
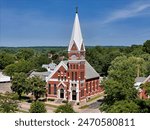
pixel 131 11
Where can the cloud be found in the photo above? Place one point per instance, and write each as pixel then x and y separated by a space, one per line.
pixel 128 12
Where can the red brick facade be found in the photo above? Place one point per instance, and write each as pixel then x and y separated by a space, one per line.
pixel 71 83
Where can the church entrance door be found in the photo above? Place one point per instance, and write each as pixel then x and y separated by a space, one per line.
pixel 61 93
pixel 74 95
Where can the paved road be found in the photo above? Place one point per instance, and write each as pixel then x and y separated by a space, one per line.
pixel 5 87
pixel 93 107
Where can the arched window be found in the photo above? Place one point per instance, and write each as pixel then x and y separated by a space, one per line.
pixel 55 89
pixel 82 92
pixel 58 77
pixel 65 78
pixel 75 76
pixel 49 89
pixel 72 76
pixel 73 57
pixel 87 88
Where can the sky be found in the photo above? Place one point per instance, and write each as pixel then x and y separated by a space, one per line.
pixel 50 22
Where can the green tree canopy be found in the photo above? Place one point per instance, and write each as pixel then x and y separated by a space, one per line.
pixel 124 106
pixel 19 83
pixel 67 108
pixel 37 86
pixel 119 85
pixel 144 105
pixel 146 46
pixel 7 104
pixel 20 66
pixel 124 69
pixel 6 59
pixel 37 107
pixel 116 91
pixel 25 53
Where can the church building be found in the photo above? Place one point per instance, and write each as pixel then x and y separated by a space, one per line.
pixel 74 79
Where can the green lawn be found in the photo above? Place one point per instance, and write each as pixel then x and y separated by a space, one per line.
pixel 95 97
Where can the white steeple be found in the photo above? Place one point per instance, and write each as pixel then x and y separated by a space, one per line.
pixel 76 35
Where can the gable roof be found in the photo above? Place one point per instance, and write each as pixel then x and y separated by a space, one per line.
pixel 4 78
pixel 147 79
pixel 62 84
pixel 62 63
pixel 51 66
pixel 90 72
pixel 140 79
pixel 42 75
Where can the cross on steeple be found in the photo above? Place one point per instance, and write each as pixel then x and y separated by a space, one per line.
pixel 76 9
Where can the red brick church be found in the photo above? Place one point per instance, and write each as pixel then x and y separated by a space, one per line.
pixel 74 79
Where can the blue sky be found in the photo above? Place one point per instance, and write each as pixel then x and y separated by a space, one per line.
pixel 49 22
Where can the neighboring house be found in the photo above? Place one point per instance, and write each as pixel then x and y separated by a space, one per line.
pixel 74 79
pixel 50 67
pixel 5 83
pixel 138 82
pixel 42 75
pixel 4 78
pixel 143 94
pixel 141 80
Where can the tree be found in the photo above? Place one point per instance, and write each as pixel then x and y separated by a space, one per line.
pixel 124 106
pixel 37 107
pixel 20 66
pixel 41 59
pixel 146 57
pixel 67 108
pixel 119 85
pixel 7 104
pixel 6 59
pixel 100 58
pixel 146 46
pixel 19 83
pixel 144 105
pixel 125 69
pixel 25 53
pixel 37 86
pixel 116 91
pixel 10 69
pixel 136 50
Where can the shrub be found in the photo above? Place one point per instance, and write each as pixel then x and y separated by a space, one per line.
pixel 37 107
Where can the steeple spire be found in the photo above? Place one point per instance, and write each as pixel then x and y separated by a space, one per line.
pixel 76 37
pixel 76 9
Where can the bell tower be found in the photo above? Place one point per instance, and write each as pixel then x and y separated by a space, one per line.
pixel 76 62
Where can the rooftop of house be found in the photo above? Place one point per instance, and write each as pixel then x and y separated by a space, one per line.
pixel 51 66
pixel 4 78
pixel 42 75
pixel 140 79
